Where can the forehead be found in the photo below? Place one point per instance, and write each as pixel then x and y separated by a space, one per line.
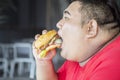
pixel 74 7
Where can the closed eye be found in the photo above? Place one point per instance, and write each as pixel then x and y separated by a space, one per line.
pixel 66 18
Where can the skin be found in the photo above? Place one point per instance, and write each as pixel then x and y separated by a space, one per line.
pixel 80 42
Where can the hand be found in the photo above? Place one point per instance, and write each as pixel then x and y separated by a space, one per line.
pixel 36 52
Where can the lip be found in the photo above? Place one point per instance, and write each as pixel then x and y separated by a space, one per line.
pixel 60 33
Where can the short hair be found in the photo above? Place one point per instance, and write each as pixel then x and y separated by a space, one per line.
pixel 103 11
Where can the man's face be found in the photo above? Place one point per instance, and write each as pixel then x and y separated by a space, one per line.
pixel 72 33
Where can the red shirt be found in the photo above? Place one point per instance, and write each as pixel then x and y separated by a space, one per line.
pixel 104 65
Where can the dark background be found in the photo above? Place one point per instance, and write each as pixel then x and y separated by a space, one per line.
pixel 24 18
pixel 21 18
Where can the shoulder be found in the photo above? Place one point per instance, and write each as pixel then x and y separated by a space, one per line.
pixel 105 64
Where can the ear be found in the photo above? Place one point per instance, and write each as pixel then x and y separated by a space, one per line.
pixel 92 28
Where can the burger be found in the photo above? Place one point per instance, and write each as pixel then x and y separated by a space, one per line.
pixel 47 42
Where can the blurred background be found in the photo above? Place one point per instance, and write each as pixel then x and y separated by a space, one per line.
pixel 20 20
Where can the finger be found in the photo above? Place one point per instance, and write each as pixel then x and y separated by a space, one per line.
pixel 33 45
pixel 36 53
pixel 51 54
pixel 36 36
pixel 35 50
pixel 44 31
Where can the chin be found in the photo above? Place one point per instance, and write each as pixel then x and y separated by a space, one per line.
pixel 63 54
pixel 66 55
pixel 72 59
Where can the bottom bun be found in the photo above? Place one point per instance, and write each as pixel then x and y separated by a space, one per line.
pixel 45 51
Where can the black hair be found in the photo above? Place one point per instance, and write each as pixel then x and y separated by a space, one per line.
pixel 115 10
pixel 103 11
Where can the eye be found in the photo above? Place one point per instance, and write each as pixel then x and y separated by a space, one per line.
pixel 66 18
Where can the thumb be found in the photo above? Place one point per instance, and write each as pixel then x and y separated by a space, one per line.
pixel 51 53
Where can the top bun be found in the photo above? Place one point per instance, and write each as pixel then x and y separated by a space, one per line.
pixel 44 39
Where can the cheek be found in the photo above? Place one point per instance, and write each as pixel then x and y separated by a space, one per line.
pixel 69 31
pixel 71 34
pixel 72 40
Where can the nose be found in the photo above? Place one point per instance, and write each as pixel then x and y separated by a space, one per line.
pixel 60 24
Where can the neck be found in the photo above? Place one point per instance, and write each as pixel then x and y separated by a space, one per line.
pixel 84 62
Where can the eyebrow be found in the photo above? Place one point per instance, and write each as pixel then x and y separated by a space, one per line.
pixel 67 12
